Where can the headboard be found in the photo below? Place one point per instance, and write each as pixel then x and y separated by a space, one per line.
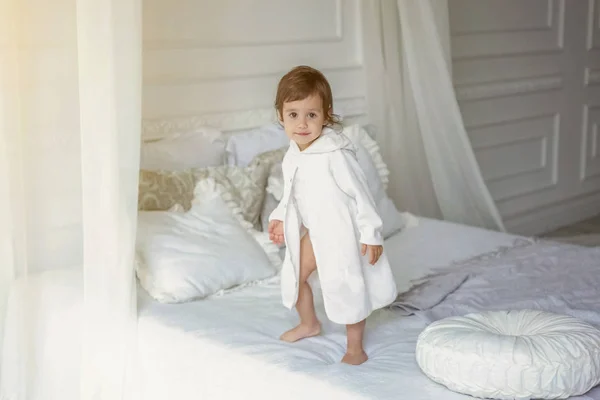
pixel 217 63
pixel 353 110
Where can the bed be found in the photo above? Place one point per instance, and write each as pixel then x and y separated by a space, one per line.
pixel 226 346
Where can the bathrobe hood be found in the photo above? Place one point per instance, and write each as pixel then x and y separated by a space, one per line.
pixel 329 141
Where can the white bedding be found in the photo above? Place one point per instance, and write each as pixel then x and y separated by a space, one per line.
pixel 227 347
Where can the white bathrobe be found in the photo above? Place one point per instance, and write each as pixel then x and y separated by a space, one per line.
pixel 342 215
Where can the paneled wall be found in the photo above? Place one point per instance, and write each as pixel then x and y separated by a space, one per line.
pixel 222 59
pixel 526 74
pixel 589 167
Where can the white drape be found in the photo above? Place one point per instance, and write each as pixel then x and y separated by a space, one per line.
pixel 413 107
pixel 70 116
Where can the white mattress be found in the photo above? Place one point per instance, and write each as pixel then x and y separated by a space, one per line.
pixel 227 347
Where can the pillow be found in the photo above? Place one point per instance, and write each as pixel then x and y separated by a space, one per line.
pixel 247 185
pixel 274 189
pixel 275 181
pixel 512 355
pixel 376 172
pixel 271 160
pixel 269 205
pixel 244 146
pixel 187 256
pixel 161 190
pixel 201 148
pixel 369 156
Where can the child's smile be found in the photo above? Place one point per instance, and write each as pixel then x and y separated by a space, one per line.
pixel 303 120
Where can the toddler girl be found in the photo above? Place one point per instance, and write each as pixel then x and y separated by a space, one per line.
pixel 327 218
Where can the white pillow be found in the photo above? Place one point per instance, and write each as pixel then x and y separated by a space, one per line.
pixel 377 173
pixel 275 182
pixel 512 355
pixel 269 205
pixel 187 256
pixel 204 147
pixel 369 156
pixel 244 146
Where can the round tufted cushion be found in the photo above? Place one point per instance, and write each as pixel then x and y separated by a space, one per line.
pixel 512 354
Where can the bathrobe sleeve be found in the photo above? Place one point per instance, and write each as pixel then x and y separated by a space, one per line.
pixel 350 178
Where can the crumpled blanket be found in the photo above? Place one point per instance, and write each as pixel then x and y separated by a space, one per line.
pixel 531 274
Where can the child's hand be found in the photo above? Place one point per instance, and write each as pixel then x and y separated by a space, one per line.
pixel 276 232
pixel 374 252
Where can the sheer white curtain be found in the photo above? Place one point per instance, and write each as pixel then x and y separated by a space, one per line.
pixel 70 115
pixel 412 105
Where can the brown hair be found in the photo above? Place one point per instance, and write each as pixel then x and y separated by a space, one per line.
pixel 302 82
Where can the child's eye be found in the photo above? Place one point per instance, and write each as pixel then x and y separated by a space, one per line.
pixel 312 115
pixel 293 115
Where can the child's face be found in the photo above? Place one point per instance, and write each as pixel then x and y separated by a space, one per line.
pixel 303 120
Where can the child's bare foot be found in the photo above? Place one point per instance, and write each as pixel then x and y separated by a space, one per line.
pixel 355 358
pixel 300 332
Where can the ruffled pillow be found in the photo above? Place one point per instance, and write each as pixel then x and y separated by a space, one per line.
pixel 161 190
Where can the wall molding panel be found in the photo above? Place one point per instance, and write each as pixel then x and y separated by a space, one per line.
pixel 526 74
pixel 508 88
pixel 524 79
pixel 207 62
pixel 507 28
pixel 590 158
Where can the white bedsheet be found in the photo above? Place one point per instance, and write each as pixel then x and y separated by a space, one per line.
pixel 227 347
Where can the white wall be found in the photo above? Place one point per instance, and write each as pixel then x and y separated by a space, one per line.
pixel 221 60
pixel 527 75
pixel 524 74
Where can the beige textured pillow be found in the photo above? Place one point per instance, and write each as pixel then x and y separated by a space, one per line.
pixel 161 190
pixel 269 158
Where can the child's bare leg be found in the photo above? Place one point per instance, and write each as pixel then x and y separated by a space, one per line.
pixel 309 324
pixel 355 354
